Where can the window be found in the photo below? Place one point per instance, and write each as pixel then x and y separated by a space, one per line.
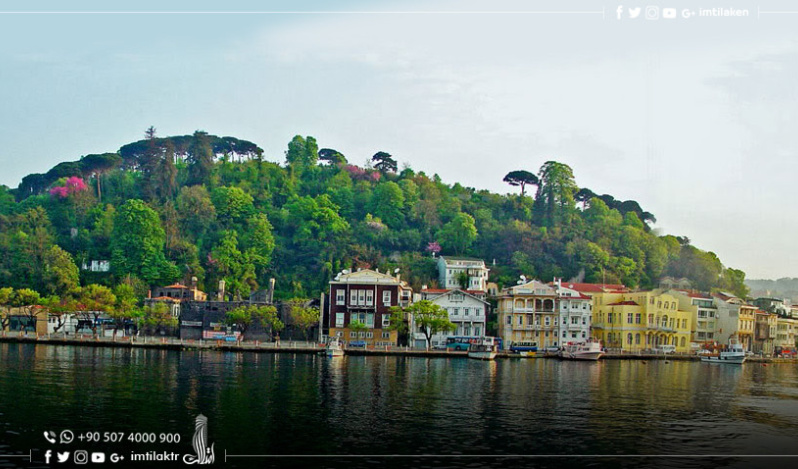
pixel 564 334
pixel 340 296
pixel 352 297
pixel 467 330
pixel 575 320
pixel 477 330
pixel 509 320
pixel 583 334
pixel 386 321
pixel 455 311
pixel 353 335
pixel 637 339
pixel 520 320
pixel 478 312
pixel 361 297
pixel 369 297
pixel 684 323
pixel 369 335
pixel 339 319
pixel 386 297
pixel 548 321
pixel 637 318
pixel 629 319
pixel 386 335
pixel 339 334
pixel 629 339
pixel 584 321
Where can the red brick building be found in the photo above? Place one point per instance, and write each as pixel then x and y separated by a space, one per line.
pixel 365 296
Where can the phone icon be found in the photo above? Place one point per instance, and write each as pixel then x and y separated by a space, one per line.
pixel 50 437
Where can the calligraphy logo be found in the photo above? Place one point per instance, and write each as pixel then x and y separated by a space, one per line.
pixel 204 454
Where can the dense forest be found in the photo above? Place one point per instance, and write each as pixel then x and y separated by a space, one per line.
pixel 169 209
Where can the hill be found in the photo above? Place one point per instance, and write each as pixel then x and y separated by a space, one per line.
pixel 168 209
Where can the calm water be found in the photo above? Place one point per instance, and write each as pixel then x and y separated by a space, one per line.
pixel 263 404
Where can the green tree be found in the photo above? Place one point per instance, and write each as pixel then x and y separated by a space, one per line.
pixel 232 204
pixel 459 234
pixel 554 200
pixel 243 316
pixel 200 158
pixel 157 318
pixel 302 152
pixel 303 317
pixel 520 178
pixel 387 203
pixel 234 266
pixel 196 212
pixel 91 301
pixel 137 245
pixel 28 302
pixel 384 162
pixel 6 302
pixel 126 306
pixel 60 272
pixel 357 327
pixel 428 317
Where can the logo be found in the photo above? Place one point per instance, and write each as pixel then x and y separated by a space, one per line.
pixel 669 13
pixel 81 457
pixel 116 458
pixel 204 454
pixel 50 437
pixel 67 437
pixel 634 12
pixel 98 457
pixel 63 457
pixel 652 12
pixel 47 455
pixel 619 11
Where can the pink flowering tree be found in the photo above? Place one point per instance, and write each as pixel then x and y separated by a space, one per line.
pixel 434 248
pixel 72 185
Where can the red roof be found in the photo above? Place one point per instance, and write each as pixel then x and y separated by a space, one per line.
pixel 176 285
pixel 624 303
pixel 434 290
pixel 595 287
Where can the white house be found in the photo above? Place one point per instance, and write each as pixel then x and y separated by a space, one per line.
pixel 451 268
pixel 575 311
pixel 467 311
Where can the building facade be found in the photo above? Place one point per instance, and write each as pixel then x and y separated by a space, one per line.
pixel 453 270
pixel 704 311
pixel 575 314
pixel 365 296
pixel 466 310
pixel 529 313
pixel 641 321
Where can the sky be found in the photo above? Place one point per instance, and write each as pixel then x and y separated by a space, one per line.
pixel 694 117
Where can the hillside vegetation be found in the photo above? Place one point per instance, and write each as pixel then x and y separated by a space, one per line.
pixel 169 209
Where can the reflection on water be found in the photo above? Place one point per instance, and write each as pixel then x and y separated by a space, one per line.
pixel 302 404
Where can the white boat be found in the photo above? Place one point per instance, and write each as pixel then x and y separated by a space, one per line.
pixel 486 349
pixel 334 348
pixel 733 355
pixel 590 350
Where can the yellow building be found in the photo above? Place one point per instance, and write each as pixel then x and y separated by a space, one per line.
pixel 637 321
pixel 528 313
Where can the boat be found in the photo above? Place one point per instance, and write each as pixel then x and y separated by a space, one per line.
pixel 733 355
pixel 485 349
pixel 525 349
pixel 589 350
pixel 334 348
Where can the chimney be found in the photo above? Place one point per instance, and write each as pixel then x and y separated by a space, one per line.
pixel 221 290
pixel 149 294
pixel 270 297
pixel 193 283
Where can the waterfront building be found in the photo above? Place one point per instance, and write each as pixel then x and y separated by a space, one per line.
pixel 704 315
pixel 640 321
pixel 785 335
pixel 575 311
pixel 179 292
pixel 735 320
pixel 466 310
pixel 366 296
pixel 463 272
pixel 765 332
pixel 528 313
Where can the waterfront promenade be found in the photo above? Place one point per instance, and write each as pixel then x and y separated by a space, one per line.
pixel 303 347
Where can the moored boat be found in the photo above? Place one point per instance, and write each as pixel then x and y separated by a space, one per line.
pixel 590 350
pixel 733 355
pixel 486 349
pixel 334 348
pixel 525 349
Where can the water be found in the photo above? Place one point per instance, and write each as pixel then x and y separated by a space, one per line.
pixel 280 404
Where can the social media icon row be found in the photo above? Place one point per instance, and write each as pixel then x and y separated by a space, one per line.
pixel 79 457
pixel 66 437
pixel 651 12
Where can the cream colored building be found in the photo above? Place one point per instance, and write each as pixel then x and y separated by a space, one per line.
pixel 529 313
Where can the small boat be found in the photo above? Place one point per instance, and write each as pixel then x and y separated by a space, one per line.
pixel 590 350
pixel 334 348
pixel 525 349
pixel 485 349
pixel 733 355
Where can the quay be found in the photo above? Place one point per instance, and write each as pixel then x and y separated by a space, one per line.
pixel 170 343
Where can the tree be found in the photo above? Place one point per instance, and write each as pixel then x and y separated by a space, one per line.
pixel 97 165
pixel 384 163
pixel 459 234
pixel 6 302
pixel 387 203
pixel 137 245
pixel 357 327
pixel 554 199
pixel 200 158
pixel 232 204
pixel 243 316
pixel 333 157
pixel 428 317
pixel 126 307
pixel 157 318
pixel 60 272
pixel 302 152
pixel 520 178
pixel 303 316
pixel 91 301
